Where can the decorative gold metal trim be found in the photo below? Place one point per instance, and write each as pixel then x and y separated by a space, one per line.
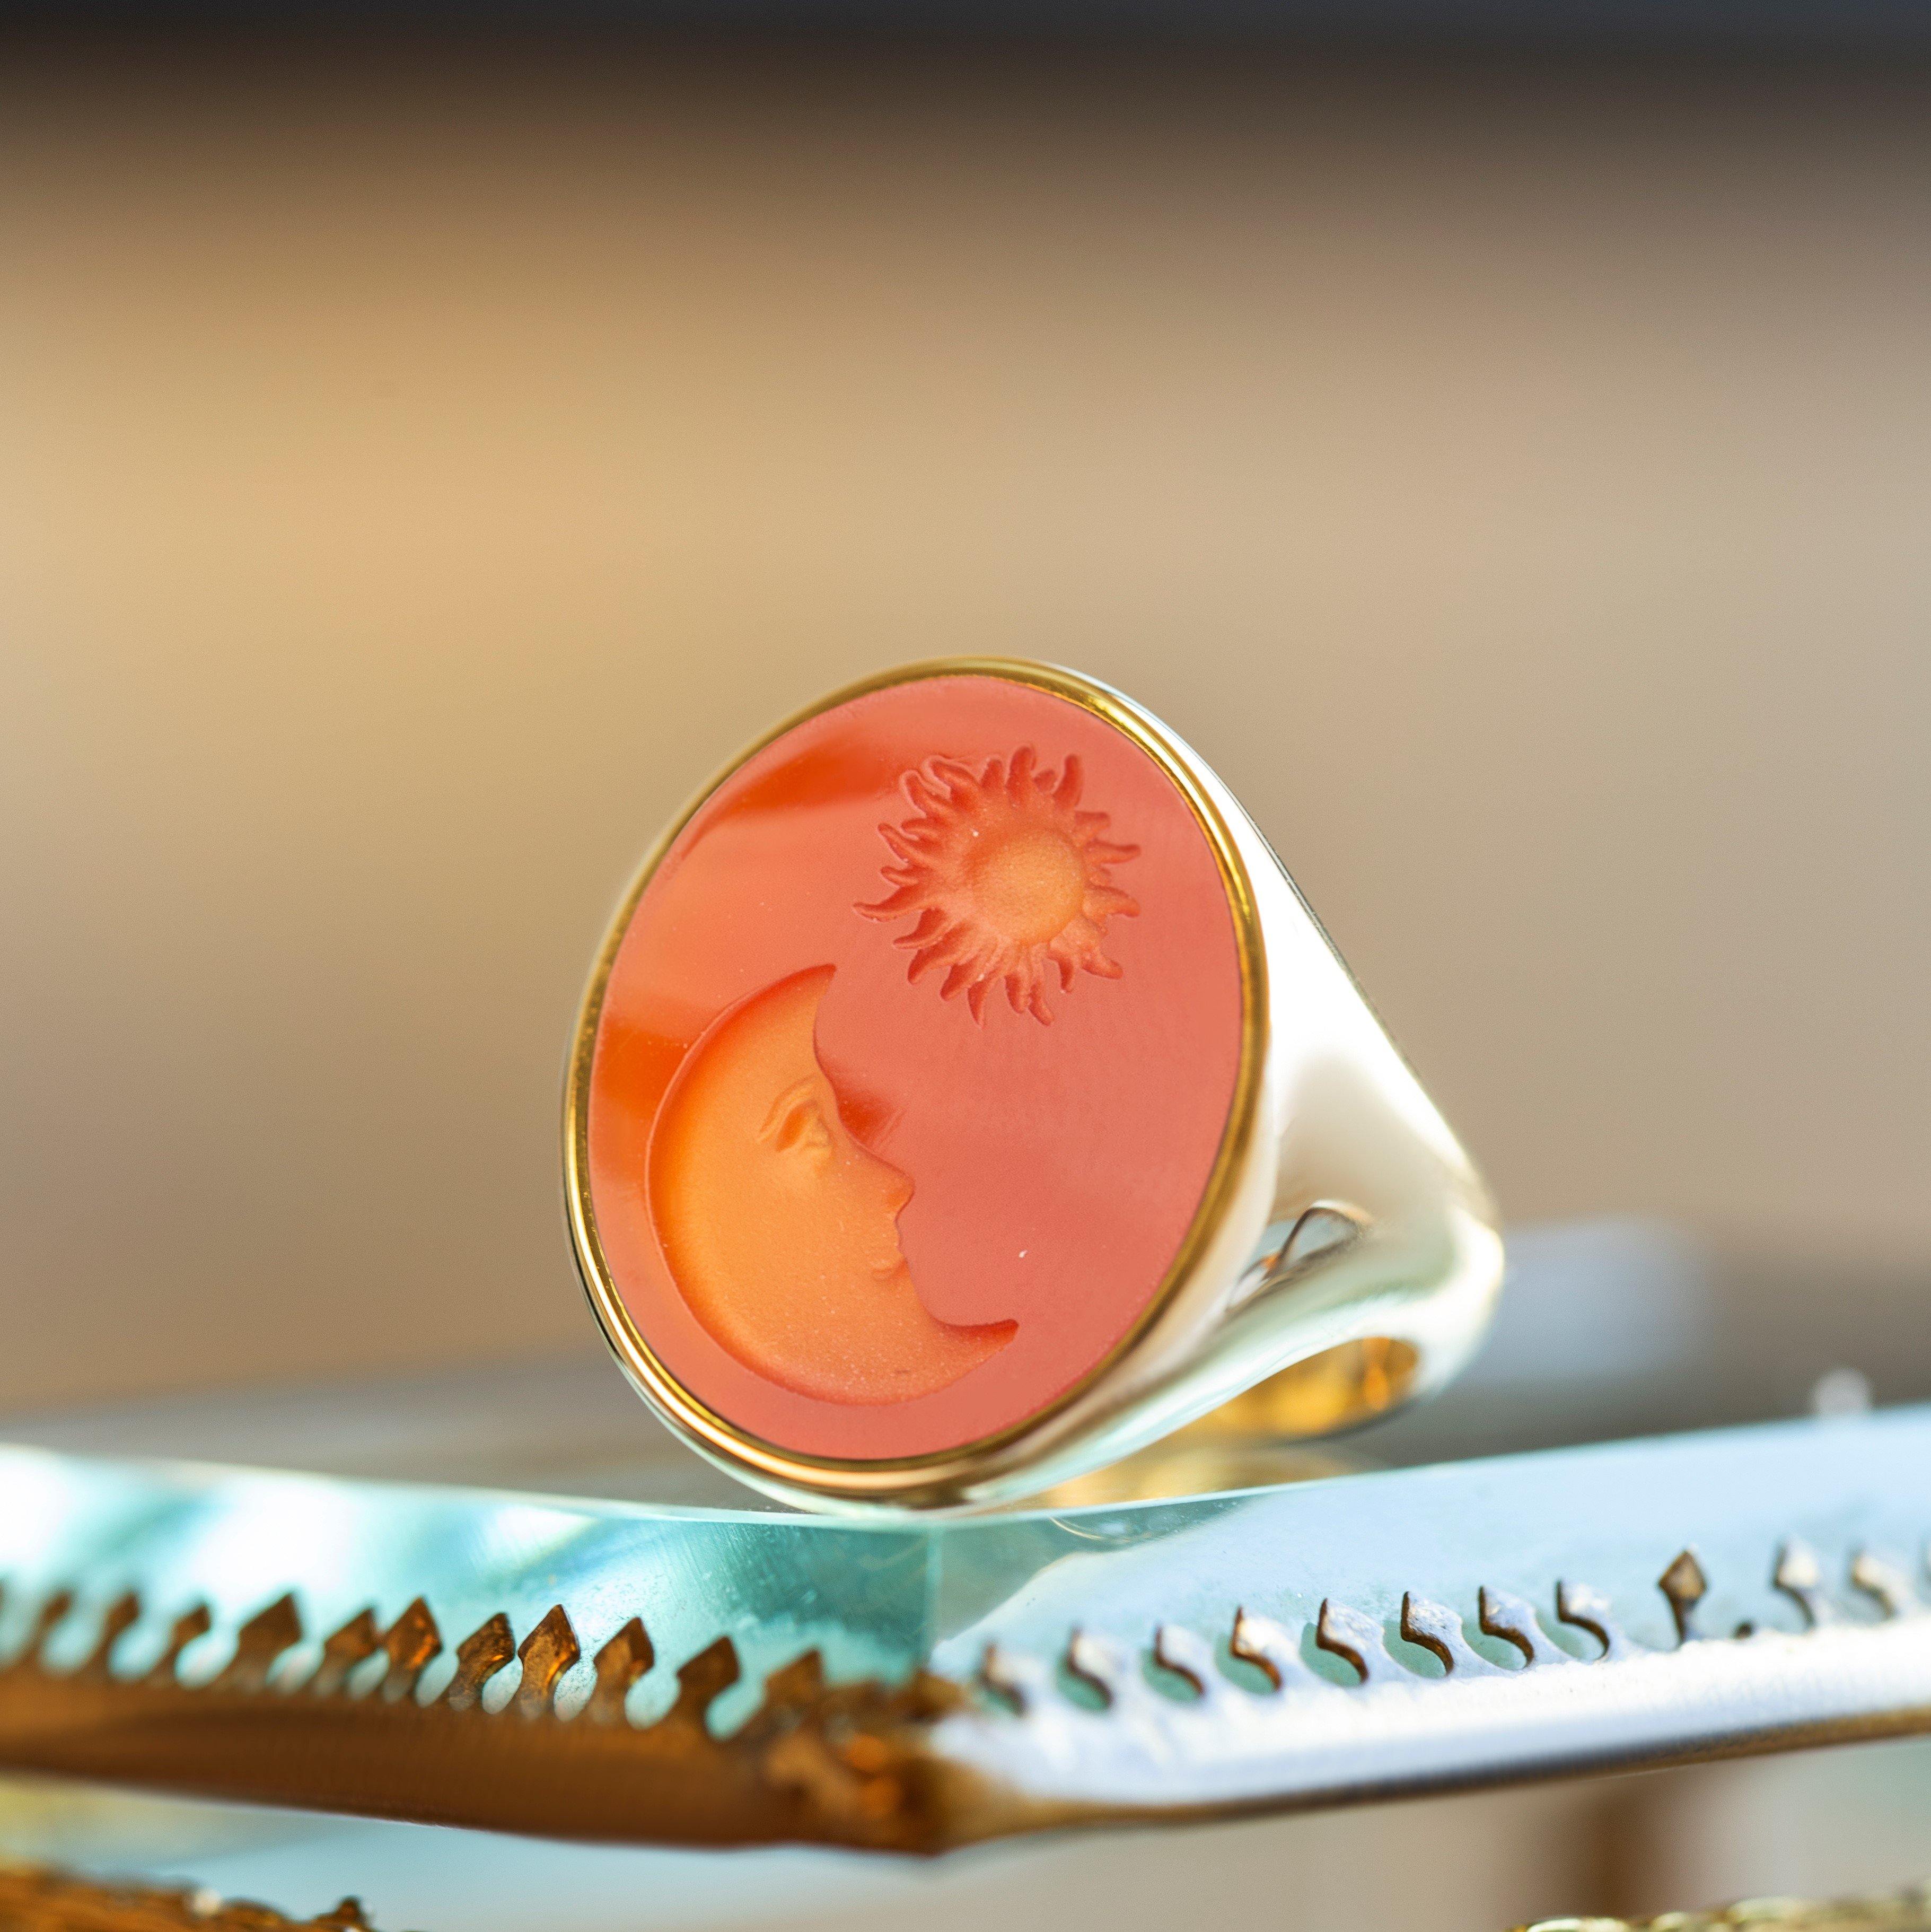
pixel 1246 1723
pixel 37 1898
pixel 942 1477
pixel 815 1761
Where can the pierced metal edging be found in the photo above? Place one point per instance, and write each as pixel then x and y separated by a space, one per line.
pixel 1175 1730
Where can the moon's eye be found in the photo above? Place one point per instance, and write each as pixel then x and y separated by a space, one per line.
pixel 1006 877
pixel 796 1123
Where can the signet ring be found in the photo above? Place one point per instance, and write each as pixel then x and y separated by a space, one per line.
pixel 965 1099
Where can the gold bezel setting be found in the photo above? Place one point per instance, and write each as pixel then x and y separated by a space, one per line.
pixel 950 1477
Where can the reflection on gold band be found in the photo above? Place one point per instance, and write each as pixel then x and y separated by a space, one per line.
pixel 1260 1437
pixel 1339 1388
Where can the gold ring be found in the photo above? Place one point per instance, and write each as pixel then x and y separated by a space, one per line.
pixel 965 1099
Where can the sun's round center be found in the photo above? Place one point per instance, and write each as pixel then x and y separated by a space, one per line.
pixel 1028 884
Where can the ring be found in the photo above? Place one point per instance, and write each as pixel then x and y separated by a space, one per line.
pixel 965 1099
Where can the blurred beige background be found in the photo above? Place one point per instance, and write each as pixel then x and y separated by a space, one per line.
pixel 419 471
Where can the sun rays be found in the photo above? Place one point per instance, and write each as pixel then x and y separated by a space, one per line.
pixel 1007 880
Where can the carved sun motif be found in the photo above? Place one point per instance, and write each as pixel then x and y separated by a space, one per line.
pixel 1008 879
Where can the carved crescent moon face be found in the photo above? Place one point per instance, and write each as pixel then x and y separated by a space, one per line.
pixel 913 1061
pixel 780 1229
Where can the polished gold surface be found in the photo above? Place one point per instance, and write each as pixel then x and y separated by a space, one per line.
pixel 1259 1436
pixel 1341 1388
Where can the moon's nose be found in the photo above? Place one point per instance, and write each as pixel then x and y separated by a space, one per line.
pixel 895 1193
